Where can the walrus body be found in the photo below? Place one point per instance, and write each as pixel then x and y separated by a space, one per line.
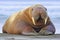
pixel 21 22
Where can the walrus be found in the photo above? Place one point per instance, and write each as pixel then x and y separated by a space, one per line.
pixel 33 19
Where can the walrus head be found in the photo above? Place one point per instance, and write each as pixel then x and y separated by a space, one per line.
pixel 37 14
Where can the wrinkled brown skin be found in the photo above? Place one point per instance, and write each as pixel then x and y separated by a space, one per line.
pixel 20 23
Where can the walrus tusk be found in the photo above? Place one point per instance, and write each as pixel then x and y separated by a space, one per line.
pixel 33 21
pixel 46 20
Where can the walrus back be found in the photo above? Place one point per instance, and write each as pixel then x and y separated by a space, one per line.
pixel 8 22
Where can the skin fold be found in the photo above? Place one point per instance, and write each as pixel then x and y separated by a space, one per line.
pixel 30 21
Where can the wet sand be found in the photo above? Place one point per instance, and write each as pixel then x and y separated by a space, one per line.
pixel 4 36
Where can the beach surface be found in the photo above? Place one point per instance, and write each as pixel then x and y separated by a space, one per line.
pixel 4 36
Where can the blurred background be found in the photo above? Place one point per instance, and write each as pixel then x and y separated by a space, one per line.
pixel 8 7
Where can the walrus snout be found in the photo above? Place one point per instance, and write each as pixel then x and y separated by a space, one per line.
pixel 39 18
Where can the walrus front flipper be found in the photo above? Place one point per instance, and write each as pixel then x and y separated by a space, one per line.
pixel 48 30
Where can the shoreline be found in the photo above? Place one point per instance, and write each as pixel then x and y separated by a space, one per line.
pixel 4 36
